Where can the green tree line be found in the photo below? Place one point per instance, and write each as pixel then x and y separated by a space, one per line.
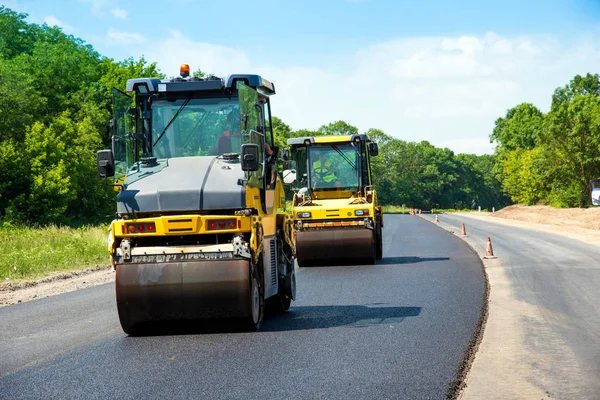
pixel 550 158
pixel 55 105
pixel 419 175
pixel 55 95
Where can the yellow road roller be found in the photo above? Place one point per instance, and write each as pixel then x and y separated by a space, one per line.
pixel 337 219
pixel 199 231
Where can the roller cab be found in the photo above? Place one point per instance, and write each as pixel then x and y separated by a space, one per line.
pixel 337 220
pixel 199 231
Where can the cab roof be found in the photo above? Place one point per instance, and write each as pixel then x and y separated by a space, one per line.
pixel 309 140
pixel 150 85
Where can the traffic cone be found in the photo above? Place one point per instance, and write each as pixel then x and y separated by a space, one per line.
pixel 489 252
pixel 436 219
pixel 463 230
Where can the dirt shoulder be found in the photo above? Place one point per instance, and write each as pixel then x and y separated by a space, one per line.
pixel 22 291
pixel 577 223
pixel 505 363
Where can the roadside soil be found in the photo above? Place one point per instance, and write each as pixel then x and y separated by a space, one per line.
pixel 502 367
pixel 582 224
pixel 21 291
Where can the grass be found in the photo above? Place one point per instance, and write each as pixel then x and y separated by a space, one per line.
pixel 29 253
pixel 395 210
pixel 389 209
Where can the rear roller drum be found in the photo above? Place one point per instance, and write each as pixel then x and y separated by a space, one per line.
pixel 342 246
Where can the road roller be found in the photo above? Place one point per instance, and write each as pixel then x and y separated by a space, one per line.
pixel 337 219
pixel 200 230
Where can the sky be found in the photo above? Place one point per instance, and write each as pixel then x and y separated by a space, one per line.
pixel 435 70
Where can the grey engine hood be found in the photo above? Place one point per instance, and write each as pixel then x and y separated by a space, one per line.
pixel 184 184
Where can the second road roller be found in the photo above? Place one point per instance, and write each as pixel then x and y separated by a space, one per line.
pixel 337 219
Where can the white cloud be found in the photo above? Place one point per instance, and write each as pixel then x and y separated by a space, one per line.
pixel 120 37
pixel 178 48
pixel 119 13
pixel 477 145
pixel 447 90
pixel 97 5
pixel 51 20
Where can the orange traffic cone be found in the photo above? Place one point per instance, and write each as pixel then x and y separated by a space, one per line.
pixel 463 231
pixel 436 219
pixel 489 252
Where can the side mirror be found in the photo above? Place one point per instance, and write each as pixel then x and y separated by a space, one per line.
pixel 289 176
pixel 285 154
pixel 105 163
pixel 373 149
pixel 249 157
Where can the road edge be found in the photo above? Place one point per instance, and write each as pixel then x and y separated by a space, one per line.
pixel 58 276
pixel 458 384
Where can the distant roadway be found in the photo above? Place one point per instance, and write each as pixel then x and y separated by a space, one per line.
pixel 398 329
pixel 551 297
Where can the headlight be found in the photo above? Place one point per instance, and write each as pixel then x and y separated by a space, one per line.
pixel 361 213
pixel 303 214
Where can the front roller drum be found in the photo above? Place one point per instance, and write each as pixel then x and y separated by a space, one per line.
pixel 189 290
pixel 335 247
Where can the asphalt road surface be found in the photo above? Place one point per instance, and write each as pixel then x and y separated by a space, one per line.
pixel 399 329
pixel 559 279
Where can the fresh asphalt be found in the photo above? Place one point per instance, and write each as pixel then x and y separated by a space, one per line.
pixel 398 329
pixel 560 278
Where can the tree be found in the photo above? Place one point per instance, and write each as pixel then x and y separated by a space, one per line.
pixel 281 131
pixel 578 86
pixel 516 134
pixel 17 36
pixel 199 74
pixel 520 129
pixel 573 133
pixel 338 128
pixel 60 65
pixel 20 103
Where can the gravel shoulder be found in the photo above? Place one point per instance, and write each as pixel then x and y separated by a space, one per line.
pixel 526 335
pixel 22 291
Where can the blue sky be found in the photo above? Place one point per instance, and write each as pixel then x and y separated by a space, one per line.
pixel 435 70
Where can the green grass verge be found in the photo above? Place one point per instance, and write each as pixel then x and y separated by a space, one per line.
pixel 29 253
pixel 451 210
pixel 401 210
pixel 395 210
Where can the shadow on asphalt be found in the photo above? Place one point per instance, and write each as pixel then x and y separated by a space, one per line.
pixel 409 260
pixel 296 319
pixel 322 317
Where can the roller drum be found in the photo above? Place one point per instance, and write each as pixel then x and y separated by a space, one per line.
pixel 182 291
pixel 335 247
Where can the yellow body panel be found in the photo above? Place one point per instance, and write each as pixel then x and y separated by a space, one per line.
pixel 181 225
pixel 334 209
pixel 332 139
